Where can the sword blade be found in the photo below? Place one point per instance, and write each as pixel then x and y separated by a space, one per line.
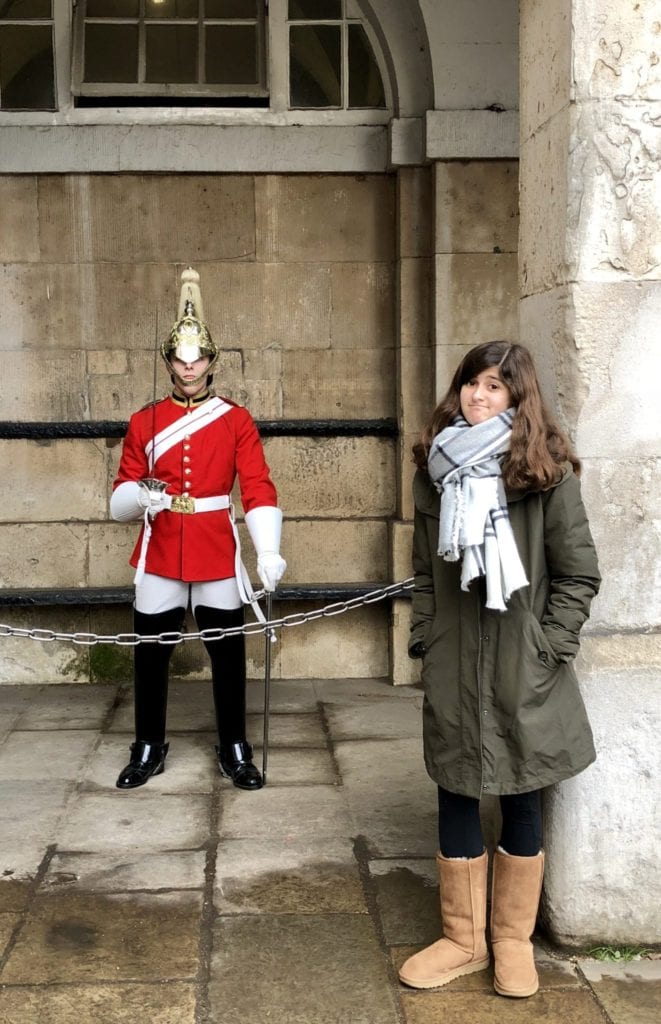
pixel 267 683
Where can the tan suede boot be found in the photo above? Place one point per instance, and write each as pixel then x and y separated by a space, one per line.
pixel 517 886
pixel 463 948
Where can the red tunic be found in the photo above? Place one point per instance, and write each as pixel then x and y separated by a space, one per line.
pixel 196 547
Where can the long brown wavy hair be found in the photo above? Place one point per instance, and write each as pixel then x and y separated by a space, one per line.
pixel 538 446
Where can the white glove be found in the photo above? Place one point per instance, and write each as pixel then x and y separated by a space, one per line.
pixel 270 569
pixel 124 504
pixel 264 526
pixel 152 496
pixel 130 499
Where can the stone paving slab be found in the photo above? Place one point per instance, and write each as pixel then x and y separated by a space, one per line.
pixel 29 814
pixel 84 937
pixel 304 970
pixel 286 695
pixel 548 1007
pixel 100 1004
pixel 290 730
pixel 313 811
pixel 14 894
pixel 408 900
pixel 294 875
pixel 376 719
pixel 67 706
pixel 110 872
pixel 397 818
pixel 24 755
pixel 7 924
pixel 292 767
pixel 630 993
pixel 141 819
pixel 360 691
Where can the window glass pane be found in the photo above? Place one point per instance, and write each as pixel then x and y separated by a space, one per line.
pixel 314 66
pixel 230 9
pixel 27 80
pixel 231 54
pixel 171 53
pixel 365 84
pixel 18 10
pixel 171 8
pixel 314 10
pixel 112 8
pixel 111 53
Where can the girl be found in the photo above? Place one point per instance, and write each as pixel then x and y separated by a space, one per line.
pixel 505 570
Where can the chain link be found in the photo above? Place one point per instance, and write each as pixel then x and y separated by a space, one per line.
pixel 174 638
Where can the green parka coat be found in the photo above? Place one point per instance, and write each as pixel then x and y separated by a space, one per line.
pixel 502 711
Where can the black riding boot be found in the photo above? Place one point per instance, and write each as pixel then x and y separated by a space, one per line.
pixel 228 673
pixel 150 688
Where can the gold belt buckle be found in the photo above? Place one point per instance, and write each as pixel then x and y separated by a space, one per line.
pixel 183 503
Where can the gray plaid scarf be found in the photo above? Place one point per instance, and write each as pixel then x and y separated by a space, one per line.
pixel 465 466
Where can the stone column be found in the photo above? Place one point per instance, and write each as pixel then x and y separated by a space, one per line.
pixel 415 391
pixel 590 307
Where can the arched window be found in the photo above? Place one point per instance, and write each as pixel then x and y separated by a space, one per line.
pixel 27 74
pixel 331 60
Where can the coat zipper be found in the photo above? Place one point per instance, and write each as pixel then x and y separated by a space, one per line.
pixel 479 691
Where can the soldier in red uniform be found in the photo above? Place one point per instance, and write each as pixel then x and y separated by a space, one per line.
pixel 179 461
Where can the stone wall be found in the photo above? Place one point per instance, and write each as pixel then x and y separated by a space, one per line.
pixel 333 297
pixel 298 285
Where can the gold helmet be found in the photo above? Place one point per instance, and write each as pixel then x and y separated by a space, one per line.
pixel 189 338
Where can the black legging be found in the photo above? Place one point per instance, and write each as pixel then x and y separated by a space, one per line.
pixel 460 832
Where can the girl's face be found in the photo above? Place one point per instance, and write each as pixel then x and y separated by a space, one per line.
pixel 484 396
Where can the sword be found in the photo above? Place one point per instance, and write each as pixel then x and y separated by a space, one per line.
pixel 269 636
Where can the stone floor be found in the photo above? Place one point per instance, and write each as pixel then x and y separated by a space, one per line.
pixel 190 902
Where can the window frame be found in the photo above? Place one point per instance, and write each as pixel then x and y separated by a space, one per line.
pixel 166 90
pixel 41 22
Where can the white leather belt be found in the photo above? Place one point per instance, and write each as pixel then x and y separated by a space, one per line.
pixel 187 505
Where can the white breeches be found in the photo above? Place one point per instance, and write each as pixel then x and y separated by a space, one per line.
pixel 155 594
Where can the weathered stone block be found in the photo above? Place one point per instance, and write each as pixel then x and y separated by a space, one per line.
pixel 476 206
pixel 401 541
pixel 268 305
pixel 19 219
pixel 28 393
pixel 615 52
pixel 339 384
pixel 476 298
pixel 331 477
pixel 29 661
pixel 404 671
pixel 110 547
pixel 414 199
pixel 546 206
pixel 623 501
pixel 351 645
pixel 335 551
pixel 294 213
pixel 363 303
pixel 54 480
pixel 416 392
pixel 164 218
pixel 475 76
pixel 621 855
pixel 415 304
pixel 43 555
pixel 546 61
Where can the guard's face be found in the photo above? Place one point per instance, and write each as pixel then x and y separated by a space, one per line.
pixel 188 374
